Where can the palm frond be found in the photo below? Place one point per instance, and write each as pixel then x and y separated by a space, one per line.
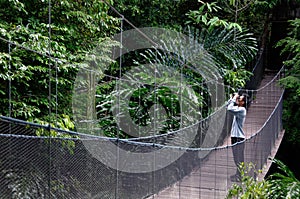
pixel 285 184
pixel 230 48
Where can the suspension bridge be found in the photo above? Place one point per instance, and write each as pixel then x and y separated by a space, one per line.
pixel 55 167
pixel 48 166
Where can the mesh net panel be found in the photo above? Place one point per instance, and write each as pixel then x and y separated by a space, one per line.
pixel 44 167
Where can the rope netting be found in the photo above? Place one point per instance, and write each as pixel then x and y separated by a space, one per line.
pixel 197 166
pixel 193 154
pixel 44 167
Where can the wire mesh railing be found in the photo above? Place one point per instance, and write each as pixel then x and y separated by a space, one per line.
pixel 40 161
pixel 52 167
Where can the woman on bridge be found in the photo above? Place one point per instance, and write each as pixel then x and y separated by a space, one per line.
pixel 237 107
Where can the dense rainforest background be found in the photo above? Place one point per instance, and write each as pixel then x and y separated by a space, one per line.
pixel 232 31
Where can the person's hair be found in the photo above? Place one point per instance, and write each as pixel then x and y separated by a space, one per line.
pixel 245 99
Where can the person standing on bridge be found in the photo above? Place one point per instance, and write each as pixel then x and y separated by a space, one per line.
pixel 237 107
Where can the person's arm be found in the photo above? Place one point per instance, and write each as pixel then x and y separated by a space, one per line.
pixel 232 100
pixel 231 107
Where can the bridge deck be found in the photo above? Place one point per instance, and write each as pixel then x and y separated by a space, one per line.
pixel 202 182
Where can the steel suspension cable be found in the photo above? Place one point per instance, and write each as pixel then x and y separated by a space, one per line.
pixel 49 95
pixel 56 92
pixel 118 107
pixel 9 80
pixel 49 59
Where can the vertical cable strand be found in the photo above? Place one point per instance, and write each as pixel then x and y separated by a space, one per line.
pixel 9 80
pixel 49 95
pixel 56 92
pixel 118 89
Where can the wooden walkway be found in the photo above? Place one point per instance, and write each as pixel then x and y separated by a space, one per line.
pixel 211 179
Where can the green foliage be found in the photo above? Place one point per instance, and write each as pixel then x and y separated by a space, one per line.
pixel 30 182
pixel 231 52
pixel 90 83
pixel 236 78
pixel 231 49
pixel 76 27
pixel 153 13
pixel 284 184
pixel 24 184
pixel 207 15
pixel 250 14
pixel 222 56
pixel 231 46
pixel 62 122
pixel 291 45
pixel 249 187
pixel 150 93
